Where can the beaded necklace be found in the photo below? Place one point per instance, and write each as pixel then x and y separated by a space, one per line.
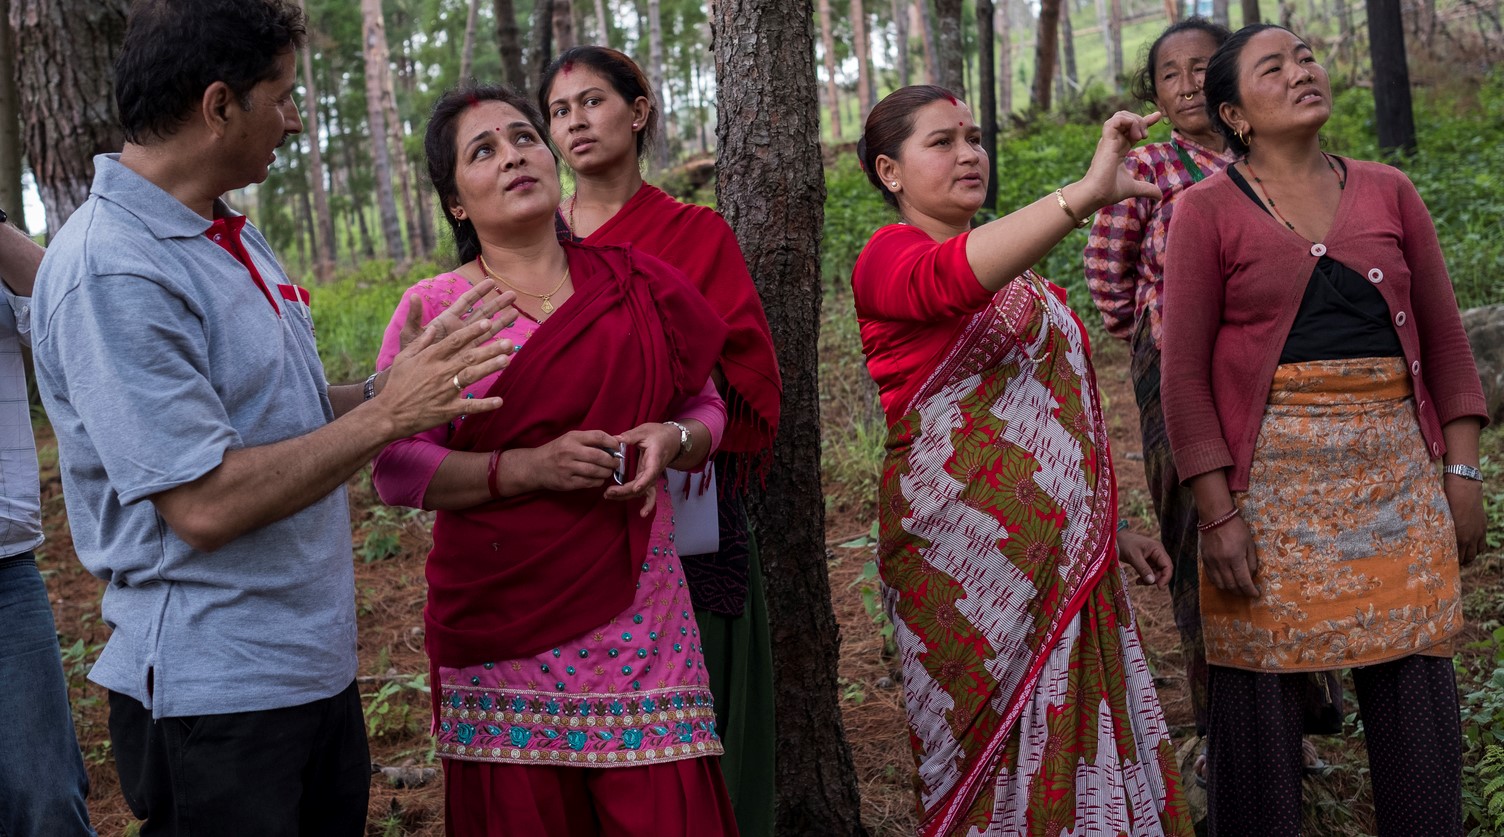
pixel 1341 186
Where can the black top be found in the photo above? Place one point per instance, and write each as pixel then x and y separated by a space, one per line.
pixel 1342 315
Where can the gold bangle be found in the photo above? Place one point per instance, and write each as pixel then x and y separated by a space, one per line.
pixel 1066 208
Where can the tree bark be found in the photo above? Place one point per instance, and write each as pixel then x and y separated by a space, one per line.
pixel 866 87
pixel 1068 50
pixel 420 230
pixel 11 197
pixel 1251 12
pixel 949 46
pixel 563 26
pixel 323 222
pixel 602 24
pixel 901 40
pixel 987 97
pixel 1172 10
pixel 926 27
pixel 832 90
pixel 774 199
pixel 655 78
pixel 1222 11
pixel 467 53
pixel 508 44
pixel 66 86
pixel 1005 66
pixel 1391 78
pixel 373 38
pixel 1044 53
pixel 542 36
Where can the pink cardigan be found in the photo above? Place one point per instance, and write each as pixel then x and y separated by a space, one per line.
pixel 1234 278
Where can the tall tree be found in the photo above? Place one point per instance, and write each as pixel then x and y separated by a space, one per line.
pixel 774 198
pixel 1068 50
pixel 602 24
pixel 1005 66
pixel 323 221
pixel 467 52
pixel 1391 77
pixel 901 40
pixel 563 26
pixel 1222 11
pixel 655 78
pixel 866 86
pixel 987 98
pixel 509 44
pixel 374 48
pixel 1045 43
pixel 832 90
pixel 921 21
pixel 67 93
pixel 1112 42
pixel 11 152
pixel 950 47
pixel 1251 12
pixel 542 50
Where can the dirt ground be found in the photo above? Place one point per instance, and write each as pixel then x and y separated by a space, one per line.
pixel 390 547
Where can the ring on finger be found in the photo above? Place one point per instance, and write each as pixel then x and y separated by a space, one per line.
pixel 459 387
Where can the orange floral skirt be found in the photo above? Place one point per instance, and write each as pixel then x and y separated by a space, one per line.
pixel 1356 548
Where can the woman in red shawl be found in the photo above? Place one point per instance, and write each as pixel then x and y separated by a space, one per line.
pixel 570 691
pixel 602 119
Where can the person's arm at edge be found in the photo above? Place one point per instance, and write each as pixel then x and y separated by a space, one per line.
pixel 1111 257
pixel 19 259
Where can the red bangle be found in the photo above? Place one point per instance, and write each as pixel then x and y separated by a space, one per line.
pixel 1212 524
pixel 491 475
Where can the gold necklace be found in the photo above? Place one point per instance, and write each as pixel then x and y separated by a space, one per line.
pixel 547 304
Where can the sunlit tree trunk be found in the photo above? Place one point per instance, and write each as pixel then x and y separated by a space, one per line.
pixel 921 21
pixel 376 61
pixel 832 90
pixel 1068 50
pixel 867 88
pixel 1005 66
pixel 901 40
pixel 467 53
pixel 508 44
pixel 771 188
pixel 656 78
pixel 65 83
pixel 602 24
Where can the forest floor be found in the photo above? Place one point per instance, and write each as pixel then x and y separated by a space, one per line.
pixel 390 549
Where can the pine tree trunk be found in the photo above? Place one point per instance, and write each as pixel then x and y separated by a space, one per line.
pixel 65 81
pixel 832 90
pixel 1172 10
pixel 866 87
pixel 1251 12
pixel 508 44
pixel 602 24
pixel 1221 11
pixel 948 44
pixel 774 199
pixel 1005 66
pixel 987 97
pixel 926 28
pixel 542 37
pixel 1114 55
pixel 901 40
pixel 420 231
pixel 373 37
pixel 11 199
pixel 322 221
pixel 1068 49
pixel 1045 45
pixel 563 26
pixel 467 53
pixel 655 78
pixel 1391 78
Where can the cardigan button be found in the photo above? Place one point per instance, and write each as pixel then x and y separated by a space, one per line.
pixel 1318 250
pixel 1375 276
pixel 1436 449
pixel 1421 407
pixel 1399 319
pixel 1414 367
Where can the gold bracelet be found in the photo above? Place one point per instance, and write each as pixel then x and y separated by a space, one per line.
pixel 1066 208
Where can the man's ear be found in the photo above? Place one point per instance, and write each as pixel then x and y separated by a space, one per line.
pixel 216 106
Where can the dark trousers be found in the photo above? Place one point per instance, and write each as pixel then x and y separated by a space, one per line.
pixel 301 770
pixel 1411 726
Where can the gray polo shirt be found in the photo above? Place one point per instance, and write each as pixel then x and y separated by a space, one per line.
pixel 156 353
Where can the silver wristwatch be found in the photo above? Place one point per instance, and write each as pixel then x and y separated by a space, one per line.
pixel 1467 472
pixel 369 390
pixel 686 442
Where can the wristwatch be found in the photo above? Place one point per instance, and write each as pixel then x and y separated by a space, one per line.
pixel 686 441
pixel 369 390
pixel 1467 472
pixel 3 216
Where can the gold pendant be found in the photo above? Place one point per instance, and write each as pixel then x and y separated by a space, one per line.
pixel 548 307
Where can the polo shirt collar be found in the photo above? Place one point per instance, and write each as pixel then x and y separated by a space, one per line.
pixel 161 213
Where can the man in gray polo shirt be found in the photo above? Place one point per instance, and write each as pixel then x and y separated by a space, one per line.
pixel 203 453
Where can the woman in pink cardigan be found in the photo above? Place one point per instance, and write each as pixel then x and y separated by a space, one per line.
pixel 1315 368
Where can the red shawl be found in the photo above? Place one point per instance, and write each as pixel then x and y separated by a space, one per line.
pixel 698 241
pixel 520 575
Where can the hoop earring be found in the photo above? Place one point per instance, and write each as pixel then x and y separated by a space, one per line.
pixel 1241 138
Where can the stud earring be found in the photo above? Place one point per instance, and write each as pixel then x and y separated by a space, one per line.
pixel 893 184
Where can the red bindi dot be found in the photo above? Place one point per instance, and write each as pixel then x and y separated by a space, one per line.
pixel 567 68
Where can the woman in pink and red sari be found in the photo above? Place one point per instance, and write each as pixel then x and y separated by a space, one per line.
pixel 1031 709
pixel 570 692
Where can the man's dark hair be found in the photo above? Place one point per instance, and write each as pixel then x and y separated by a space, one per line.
pixel 175 49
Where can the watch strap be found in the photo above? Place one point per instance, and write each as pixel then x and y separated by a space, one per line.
pixel 1467 472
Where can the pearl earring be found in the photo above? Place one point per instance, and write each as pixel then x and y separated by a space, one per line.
pixel 893 184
